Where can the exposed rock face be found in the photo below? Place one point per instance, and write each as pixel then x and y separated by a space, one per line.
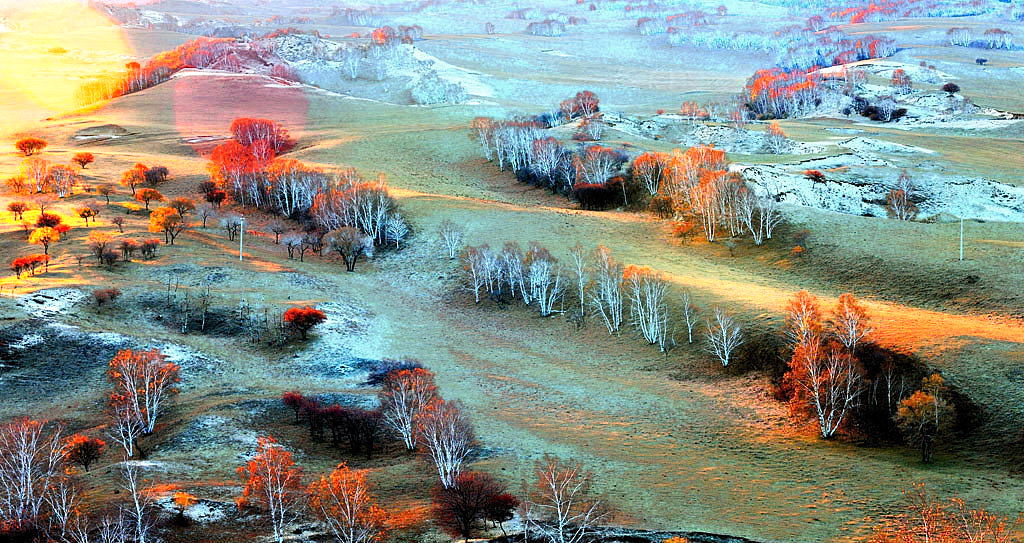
pixel 858 182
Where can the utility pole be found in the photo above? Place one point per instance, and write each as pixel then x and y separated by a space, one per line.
pixel 241 237
pixel 961 239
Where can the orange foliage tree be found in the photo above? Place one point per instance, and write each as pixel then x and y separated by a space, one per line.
pixel 44 236
pixel 134 177
pixel 344 503
pixel 303 319
pixel 925 415
pixel 273 481
pixel 143 382
pixel 148 195
pixel 30 146
pixel 929 520
pixel 83 159
pixel 167 220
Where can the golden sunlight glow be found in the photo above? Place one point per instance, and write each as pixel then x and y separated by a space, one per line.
pixel 50 47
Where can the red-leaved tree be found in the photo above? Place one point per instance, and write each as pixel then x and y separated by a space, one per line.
pixel 303 319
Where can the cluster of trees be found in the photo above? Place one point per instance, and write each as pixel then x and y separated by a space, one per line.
pixel 339 211
pixel 558 507
pixel 199 53
pixel 38 175
pixel 110 249
pixel 40 495
pixel 835 375
pixel 143 384
pixel 927 519
pixel 593 283
pixel 695 184
pixel 361 429
pixel 993 38
pixel 534 276
pixel 25 264
pixel 901 200
pixel 887 10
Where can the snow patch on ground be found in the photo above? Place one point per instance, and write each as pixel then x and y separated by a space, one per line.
pixel 869 145
pixel 50 302
pixel 26 341
pixel 469 80
pixel 203 512
pixel 862 195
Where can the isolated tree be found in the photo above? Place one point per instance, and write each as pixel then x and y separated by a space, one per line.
pixel 83 450
pixel 105 295
pixel 17 209
pixel 98 242
pixel 303 319
pixel 404 394
pixel 475 496
pixel 723 335
pixel 277 227
pixel 147 195
pixel 448 436
pixel 83 159
pixel 206 212
pixel 144 381
pixel 183 205
pixel 581 272
pixel 31 457
pixel 451 237
pixel 690 315
pixel 925 415
pixel 274 482
pixel 951 88
pixel 44 236
pixel 344 503
pixel 167 220
pixel 30 146
pixel 560 506
pixel 119 223
pixel 183 501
